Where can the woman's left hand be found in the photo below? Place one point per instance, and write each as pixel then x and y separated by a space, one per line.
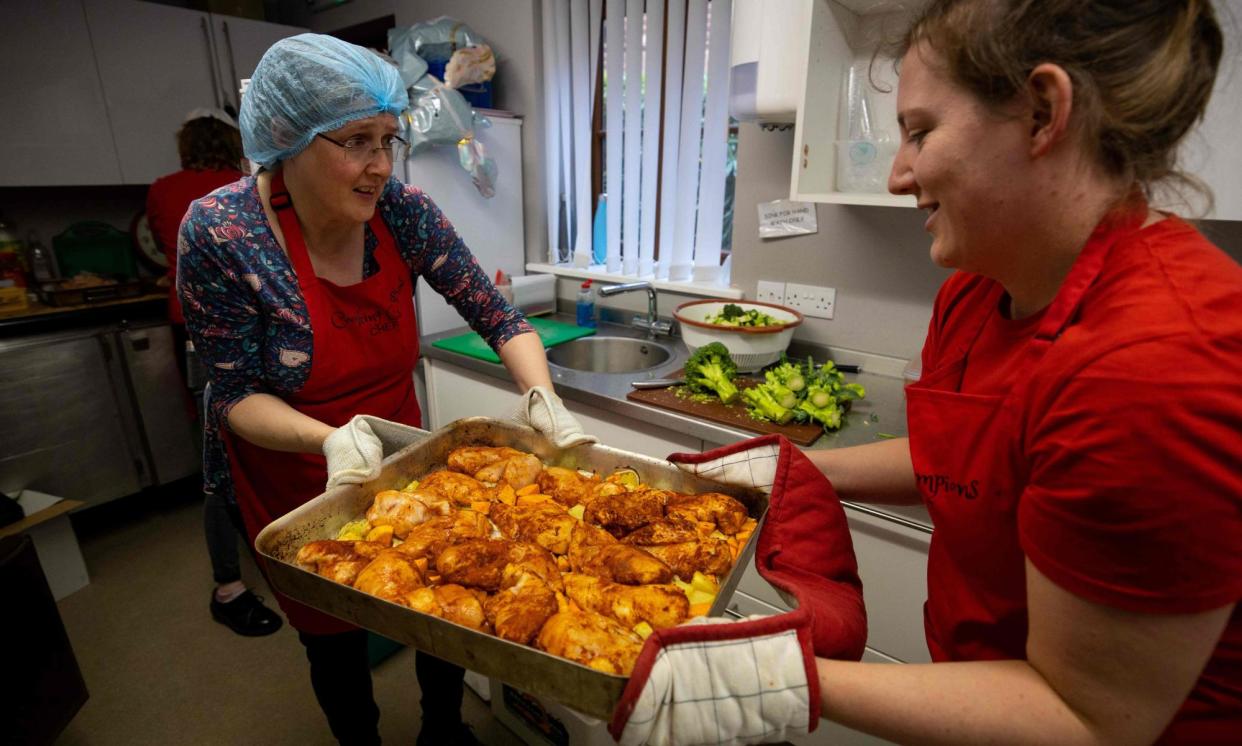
pixel 542 410
pixel 355 450
pixel 715 681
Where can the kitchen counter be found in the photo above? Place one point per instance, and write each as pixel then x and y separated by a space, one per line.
pixel 38 318
pixel 880 414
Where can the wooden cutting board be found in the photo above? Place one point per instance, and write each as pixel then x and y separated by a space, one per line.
pixel 733 415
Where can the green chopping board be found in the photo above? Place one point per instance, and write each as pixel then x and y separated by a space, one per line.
pixel 551 332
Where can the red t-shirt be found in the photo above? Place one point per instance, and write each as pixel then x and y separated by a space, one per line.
pixel 1132 440
pixel 167 201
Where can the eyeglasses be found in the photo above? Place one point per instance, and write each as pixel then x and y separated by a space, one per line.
pixel 359 149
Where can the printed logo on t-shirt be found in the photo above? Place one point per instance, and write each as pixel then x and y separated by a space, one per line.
pixel 933 485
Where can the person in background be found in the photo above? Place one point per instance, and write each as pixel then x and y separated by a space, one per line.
pixel 209 145
pixel 297 286
pixel 1075 435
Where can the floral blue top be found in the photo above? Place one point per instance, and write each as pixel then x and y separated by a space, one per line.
pixel 246 316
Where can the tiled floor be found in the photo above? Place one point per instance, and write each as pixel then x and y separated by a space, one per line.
pixel 160 671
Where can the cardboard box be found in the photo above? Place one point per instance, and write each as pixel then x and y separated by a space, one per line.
pixel 47 523
pixel 544 723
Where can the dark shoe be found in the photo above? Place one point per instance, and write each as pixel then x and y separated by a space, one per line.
pixel 246 615
pixel 457 735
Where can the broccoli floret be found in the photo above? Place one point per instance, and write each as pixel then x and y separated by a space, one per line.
pixel 788 375
pixel 762 405
pixel 820 405
pixel 731 311
pixel 710 370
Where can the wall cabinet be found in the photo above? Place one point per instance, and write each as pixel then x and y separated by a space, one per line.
pixel 55 125
pixel 842 33
pixel 106 84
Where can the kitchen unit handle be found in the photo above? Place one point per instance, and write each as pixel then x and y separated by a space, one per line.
pixel 211 61
pixel 887 517
pixel 228 47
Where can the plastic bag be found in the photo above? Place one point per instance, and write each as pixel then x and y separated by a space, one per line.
pixel 470 65
pixel 437 39
pixel 440 116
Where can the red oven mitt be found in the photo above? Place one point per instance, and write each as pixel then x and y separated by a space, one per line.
pixel 754 681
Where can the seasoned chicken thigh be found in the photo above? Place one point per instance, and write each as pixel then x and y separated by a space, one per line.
pixel 405 510
pixel 340 561
pixel 594 551
pixel 459 488
pixel 518 612
pixel 432 537
pixel 546 524
pixel 391 576
pixel 567 486
pixel 482 563
pixel 623 512
pixel 658 605
pixel 709 507
pixel 496 464
pixel 451 602
pixel 590 639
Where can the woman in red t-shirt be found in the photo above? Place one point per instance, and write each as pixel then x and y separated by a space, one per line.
pixel 211 156
pixel 1077 432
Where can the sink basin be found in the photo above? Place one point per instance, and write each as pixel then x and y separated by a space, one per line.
pixel 609 354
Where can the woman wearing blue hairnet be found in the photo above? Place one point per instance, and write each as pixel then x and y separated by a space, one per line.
pixel 297 286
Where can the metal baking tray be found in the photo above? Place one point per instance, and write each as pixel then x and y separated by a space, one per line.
pixel 526 668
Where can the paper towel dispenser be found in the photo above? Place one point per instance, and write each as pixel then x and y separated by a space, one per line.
pixel 768 65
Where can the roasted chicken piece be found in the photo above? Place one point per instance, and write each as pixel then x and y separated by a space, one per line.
pixel 621 513
pixel 663 531
pixel 567 486
pixel 658 605
pixel 590 639
pixel 432 537
pixel 455 486
pixel 340 561
pixel 405 510
pixel 518 612
pixel 496 464
pixel 391 576
pixel 711 507
pixel 706 555
pixel 482 563
pixel 546 524
pixel 594 551
pixel 451 602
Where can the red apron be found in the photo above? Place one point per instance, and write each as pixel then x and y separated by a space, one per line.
pixel 365 347
pixel 966 450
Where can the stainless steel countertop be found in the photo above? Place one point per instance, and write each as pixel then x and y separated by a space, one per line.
pixel 881 413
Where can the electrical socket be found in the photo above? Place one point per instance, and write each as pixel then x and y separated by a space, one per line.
pixel 770 291
pixel 812 301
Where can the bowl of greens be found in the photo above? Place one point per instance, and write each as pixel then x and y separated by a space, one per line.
pixel 755 333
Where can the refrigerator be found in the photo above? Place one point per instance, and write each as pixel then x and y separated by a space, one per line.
pixel 492 228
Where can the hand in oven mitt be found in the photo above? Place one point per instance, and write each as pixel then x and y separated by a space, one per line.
pixel 755 681
pixel 804 547
pixel 355 451
pixel 542 410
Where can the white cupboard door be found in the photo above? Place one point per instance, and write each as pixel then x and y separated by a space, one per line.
pixel 55 126
pixel 240 44
pixel 155 64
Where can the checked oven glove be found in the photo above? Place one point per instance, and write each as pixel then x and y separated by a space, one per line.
pixel 755 681
pixel 355 451
pixel 721 682
pixel 542 410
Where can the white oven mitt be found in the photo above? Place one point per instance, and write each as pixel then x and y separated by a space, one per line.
pixel 355 450
pixel 715 681
pixel 751 468
pixel 542 410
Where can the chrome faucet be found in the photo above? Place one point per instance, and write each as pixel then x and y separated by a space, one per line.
pixel 650 323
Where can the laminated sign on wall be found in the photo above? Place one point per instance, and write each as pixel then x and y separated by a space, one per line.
pixel 782 218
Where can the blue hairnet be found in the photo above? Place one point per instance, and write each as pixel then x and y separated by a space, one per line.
pixel 310 83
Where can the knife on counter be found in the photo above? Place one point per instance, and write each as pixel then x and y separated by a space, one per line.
pixel 663 383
